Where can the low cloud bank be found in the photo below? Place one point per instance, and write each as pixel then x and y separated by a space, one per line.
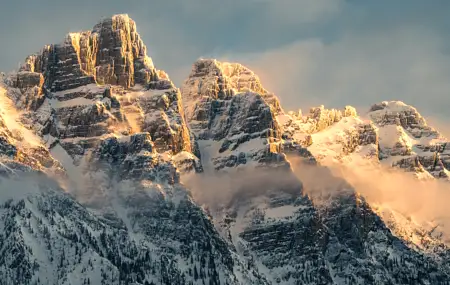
pixel 423 201
pixel 223 189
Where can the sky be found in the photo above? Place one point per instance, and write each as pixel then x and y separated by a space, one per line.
pixel 308 52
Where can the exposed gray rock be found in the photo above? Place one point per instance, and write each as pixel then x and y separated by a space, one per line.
pixel 225 103
pixel 26 89
pixel 112 53
pixel 418 147
pixel 398 113
pixel 100 83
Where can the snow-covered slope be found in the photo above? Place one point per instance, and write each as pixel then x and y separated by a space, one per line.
pixel 148 237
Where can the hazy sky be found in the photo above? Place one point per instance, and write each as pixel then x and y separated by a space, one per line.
pixel 309 52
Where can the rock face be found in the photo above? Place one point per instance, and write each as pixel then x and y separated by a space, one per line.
pixel 231 115
pixel 101 83
pixel 112 53
pixel 95 144
pixel 408 142
pixel 30 86
pixel 49 239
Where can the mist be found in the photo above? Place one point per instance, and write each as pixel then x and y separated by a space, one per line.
pixel 224 189
pixel 405 63
pixel 424 202
pixel 16 187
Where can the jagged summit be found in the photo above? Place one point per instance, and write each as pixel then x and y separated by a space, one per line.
pixel 239 77
pixel 395 135
pixel 392 105
pixel 399 113
pixel 98 84
pixel 408 142
pixel 231 114
pixel 222 80
pixel 111 53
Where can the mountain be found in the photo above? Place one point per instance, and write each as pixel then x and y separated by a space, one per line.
pixel 391 133
pixel 112 175
pixel 282 227
pixel 118 147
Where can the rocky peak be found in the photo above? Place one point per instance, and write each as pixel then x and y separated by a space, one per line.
pixel 112 53
pixel 297 129
pixel 408 142
pixel 229 76
pixel 227 104
pixel 222 80
pixel 18 145
pixel 97 84
pixel 322 118
pixel 396 134
pixel 401 114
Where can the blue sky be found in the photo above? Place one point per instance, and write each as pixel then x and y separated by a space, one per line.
pixel 309 52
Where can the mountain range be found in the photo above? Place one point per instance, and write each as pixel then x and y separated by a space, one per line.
pixel 110 174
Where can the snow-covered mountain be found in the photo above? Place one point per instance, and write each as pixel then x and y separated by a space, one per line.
pixel 110 174
pixel 283 227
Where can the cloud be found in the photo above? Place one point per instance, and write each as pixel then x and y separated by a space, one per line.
pixel 405 64
pixel 222 189
pixel 19 185
pixel 301 11
pixel 424 202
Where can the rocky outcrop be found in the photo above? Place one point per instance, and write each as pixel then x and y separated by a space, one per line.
pixel 231 114
pixel 20 146
pixel 24 80
pixel 408 142
pixel 322 118
pixel 398 113
pixel 318 119
pixel 26 89
pixel 112 53
pixel 158 112
pixel 345 133
pixel 98 84
pixel 221 80
pixel 134 158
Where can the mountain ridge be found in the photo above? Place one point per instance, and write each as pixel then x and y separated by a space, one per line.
pixel 122 139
